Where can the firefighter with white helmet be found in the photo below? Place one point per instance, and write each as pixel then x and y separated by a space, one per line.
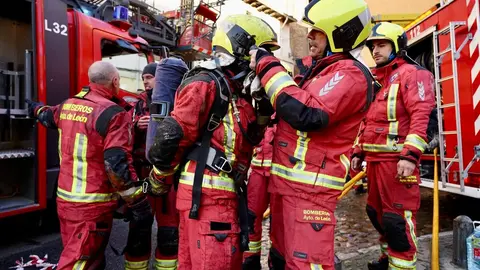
pixel 318 118
pixel 392 140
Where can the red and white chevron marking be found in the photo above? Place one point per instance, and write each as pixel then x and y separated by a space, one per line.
pixel 331 84
pixel 473 19
pixel 202 50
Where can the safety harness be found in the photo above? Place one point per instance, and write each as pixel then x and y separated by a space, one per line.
pixel 208 157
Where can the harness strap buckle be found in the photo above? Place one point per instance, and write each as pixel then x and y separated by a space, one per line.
pixel 222 164
pixel 213 122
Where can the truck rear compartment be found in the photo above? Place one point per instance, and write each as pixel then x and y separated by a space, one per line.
pixel 18 187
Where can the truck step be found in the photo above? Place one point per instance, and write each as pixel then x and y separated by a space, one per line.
pixel 17 153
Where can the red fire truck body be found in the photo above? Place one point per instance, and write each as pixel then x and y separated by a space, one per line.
pixel 445 40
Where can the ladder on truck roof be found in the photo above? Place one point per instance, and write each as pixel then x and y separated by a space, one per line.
pixel 455 55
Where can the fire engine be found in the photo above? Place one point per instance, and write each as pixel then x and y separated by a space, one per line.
pixel 445 40
pixel 46 49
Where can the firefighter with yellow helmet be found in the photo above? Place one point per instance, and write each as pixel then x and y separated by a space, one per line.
pixel 392 140
pixel 318 119
pixel 208 141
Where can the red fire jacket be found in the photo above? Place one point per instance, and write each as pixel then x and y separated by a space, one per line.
pixel 317 125
pixel 93 130
pixel 262 154
pixel 397 121
pixel 183 128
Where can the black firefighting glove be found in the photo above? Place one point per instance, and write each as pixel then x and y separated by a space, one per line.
pixel 141 210
pixel 264 110
pixel 252 263
pixel 32 106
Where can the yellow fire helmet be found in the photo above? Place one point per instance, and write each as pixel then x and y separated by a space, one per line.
pixel 347 23
pixel 391 32
pixel 236 34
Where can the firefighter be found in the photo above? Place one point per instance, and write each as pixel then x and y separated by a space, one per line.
pixel 318 120
pixel 138 248
pixel 208 140
pixel 392 141
pixel 95 167
pixel 258 198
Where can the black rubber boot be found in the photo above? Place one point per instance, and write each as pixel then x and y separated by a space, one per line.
pixel 381 264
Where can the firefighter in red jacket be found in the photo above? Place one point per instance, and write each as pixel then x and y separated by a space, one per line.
pixel 318 121
pixel 138 249
pixel 392 140
pixel 95 167
pixel 213 218
pixel 258 198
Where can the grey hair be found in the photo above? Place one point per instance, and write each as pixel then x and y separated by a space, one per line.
pixel 102 72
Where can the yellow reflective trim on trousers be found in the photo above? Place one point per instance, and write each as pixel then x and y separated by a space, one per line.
pixel 314 266
pixel 416 141
pixel 85 197
pixel 166 264
pixel 306 177
pixel 277 83
pixel 214 182
pixel 229 135
pixel 60 145
pixel 142 265
pixel 346 163
pixel 396 263
pixel 80 164
pixel 79 265
pixel 254 247
pixel 408 218
pixel 301 150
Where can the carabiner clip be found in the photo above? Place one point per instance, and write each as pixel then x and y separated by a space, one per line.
pixel 145 187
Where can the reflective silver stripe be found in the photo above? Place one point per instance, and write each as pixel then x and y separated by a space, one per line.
pixel 277 83
pixel 314 266
pixel 260 163
pixel 165 264
pixel 306 177
pixel 301 150
pixel 86 197
pixel 129 191
pixel 382 148
pixel 141 265
pixel 416 141
pixel 79 265
pixel 396 263
pixel 60 146
pixel 229 136
pixel 80 165
pixel 209 181
pixel 408 218
pixel 392 103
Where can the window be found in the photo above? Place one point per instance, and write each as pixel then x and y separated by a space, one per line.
pixel 129 61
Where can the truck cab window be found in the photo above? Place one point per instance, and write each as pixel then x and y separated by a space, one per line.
pixel 129 61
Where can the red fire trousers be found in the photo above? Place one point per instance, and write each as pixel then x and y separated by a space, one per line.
pixel 392 205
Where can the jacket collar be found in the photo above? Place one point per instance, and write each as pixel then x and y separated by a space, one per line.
pixel 382 72
pixel 101 91
pixel 327 61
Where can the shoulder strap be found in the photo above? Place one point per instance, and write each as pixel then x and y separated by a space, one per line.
pixel 218 110
pixel 373 86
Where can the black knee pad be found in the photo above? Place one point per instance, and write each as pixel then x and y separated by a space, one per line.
pixel 372 215
pixel 275 260
pixel 395 231
pixel 251 221
pixel 252 263
pixel 167 241
pixel 139 240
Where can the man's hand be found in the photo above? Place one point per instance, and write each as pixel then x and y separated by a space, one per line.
pixel 356 163
pixel 143 122
pixel 32 105
pixel 405 168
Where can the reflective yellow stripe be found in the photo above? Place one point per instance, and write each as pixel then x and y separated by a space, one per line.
pixel 142 265
pixel 416 141
pixel 79 265
pixel 392 103
pixel 277 83
pixel 60 145
pixel 382 148
pixel 306 177
pixel 86 197
pixel 396 263
pixel 165 264
pixel 221 182
pixel 80 164
pixel 162 173
pixel 301 150
pixel 229 136
pixel 316 266
pixel 408 218
pixel 346 163
pixel 260 163
pixel 254 247
pixel 384 248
